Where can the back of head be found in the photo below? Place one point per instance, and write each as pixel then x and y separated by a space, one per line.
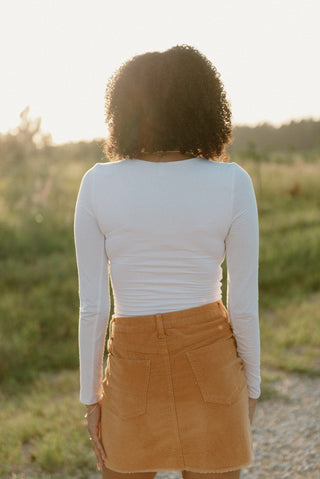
pixel 164 101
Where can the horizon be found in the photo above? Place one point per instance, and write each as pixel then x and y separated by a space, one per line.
pixel 13 130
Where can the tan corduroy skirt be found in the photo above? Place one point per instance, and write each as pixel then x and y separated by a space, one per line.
pixel 175 394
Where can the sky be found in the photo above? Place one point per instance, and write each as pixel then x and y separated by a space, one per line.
pixel 57 55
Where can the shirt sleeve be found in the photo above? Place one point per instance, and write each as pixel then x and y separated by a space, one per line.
pixel 242 256
pixel 94 294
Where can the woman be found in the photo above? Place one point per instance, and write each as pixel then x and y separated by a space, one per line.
pixel 182 375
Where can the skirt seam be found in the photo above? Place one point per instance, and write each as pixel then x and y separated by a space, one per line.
pixel 174 408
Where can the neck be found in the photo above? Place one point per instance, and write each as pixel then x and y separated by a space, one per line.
pixel 164 156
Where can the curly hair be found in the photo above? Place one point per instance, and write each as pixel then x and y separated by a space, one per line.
pixel 167 101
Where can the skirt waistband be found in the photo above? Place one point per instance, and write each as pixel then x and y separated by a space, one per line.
pixel 170 318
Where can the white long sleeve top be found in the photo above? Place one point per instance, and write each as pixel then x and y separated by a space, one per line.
pixel 162 230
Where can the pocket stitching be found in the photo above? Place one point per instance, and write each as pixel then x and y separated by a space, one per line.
pixel 140 409
pixel 206 396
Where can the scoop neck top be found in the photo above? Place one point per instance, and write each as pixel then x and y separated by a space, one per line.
pixel 183 162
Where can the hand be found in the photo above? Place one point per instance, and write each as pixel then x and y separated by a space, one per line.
pixel 93 422
pixel 252 406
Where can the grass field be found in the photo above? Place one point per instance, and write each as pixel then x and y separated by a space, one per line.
pixel 40 413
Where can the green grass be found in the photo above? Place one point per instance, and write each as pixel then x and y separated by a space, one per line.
pixel 291 335
pixel 45 431
pixel 40 410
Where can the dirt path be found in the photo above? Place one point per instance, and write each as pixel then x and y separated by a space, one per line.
pixel 286 432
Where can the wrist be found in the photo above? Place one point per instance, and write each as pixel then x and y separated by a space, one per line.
pixel 91 409
pixel 91 405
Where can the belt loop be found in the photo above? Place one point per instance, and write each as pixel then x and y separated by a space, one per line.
pixel 223 309
pixel 160 327
pixel 111 327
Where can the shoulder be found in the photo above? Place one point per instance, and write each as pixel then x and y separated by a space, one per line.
pixel 230 170
pixel 236 179
pixel 101 170
pixel 241 177
pixel 243 187
pixel 226 167
pixel 107 168
pixel 240 171
pixel 231 167
pixel 109 165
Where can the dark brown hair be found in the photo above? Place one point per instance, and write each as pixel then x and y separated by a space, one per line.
pixel 165 101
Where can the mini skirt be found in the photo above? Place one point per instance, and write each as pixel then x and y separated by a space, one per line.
pixel 175 394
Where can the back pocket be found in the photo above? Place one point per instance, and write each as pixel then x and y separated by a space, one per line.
pixel 126 384
pixel 218 371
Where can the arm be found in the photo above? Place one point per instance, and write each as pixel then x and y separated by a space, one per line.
pixel 242 252
pixel 92 263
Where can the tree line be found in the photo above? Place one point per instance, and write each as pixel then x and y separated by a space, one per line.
pixel 27 140
pixel 300 135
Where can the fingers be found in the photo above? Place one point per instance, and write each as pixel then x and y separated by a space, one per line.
pixel 93 423
pixel 252 406
pixel 98 450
